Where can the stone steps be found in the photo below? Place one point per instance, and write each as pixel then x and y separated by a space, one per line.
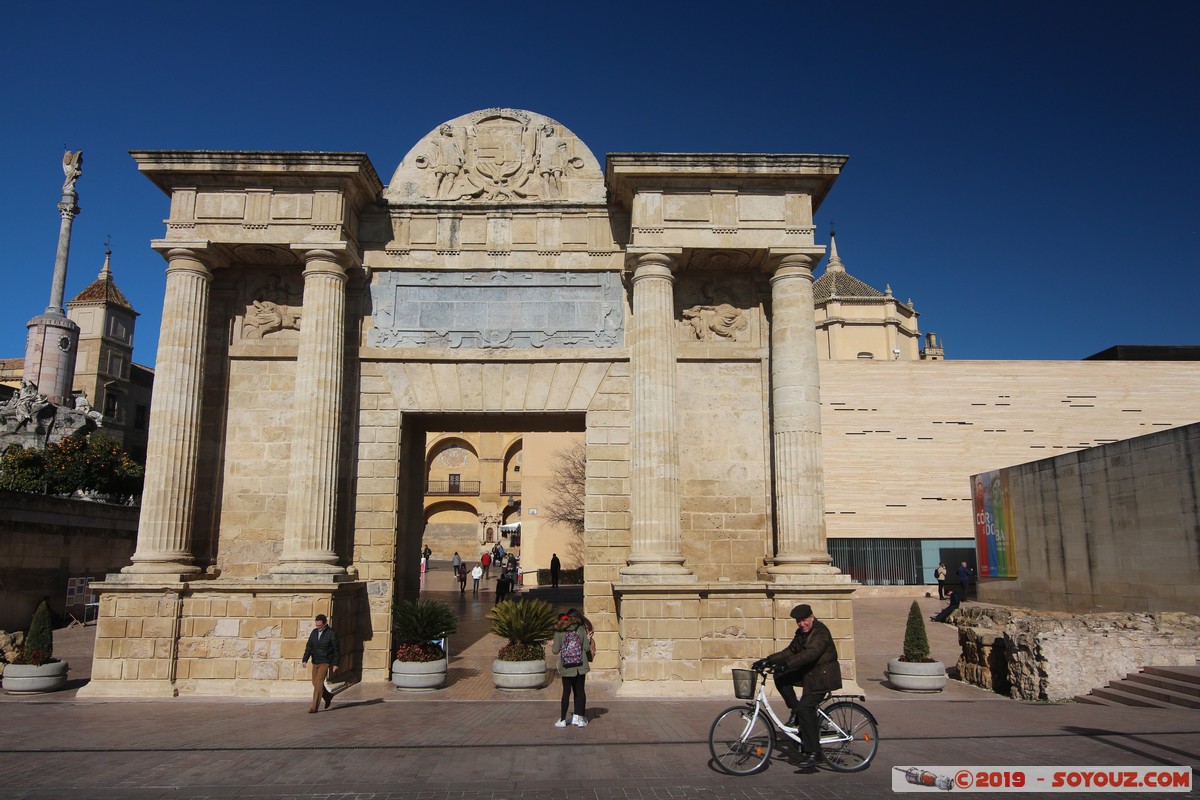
pixel 1153 687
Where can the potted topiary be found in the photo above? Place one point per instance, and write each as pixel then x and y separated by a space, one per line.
pixel 36 669
pixel 915 670
pixel 526 624
pixel 421 662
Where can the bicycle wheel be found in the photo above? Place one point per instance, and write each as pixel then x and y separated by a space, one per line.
pixel 739 743
pixel 854 751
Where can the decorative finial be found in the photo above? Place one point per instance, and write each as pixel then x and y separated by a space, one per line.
pixel 887 289
pixel 106 271
pixel 835 262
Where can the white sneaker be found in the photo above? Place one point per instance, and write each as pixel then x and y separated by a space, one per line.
pixel 579 722
pixel 562 723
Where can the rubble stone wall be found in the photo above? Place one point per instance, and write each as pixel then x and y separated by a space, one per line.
pixel 1043 655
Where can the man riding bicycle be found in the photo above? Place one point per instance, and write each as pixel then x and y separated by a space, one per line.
pixel 811 661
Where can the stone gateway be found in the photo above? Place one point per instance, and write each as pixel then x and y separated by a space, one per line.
pixel 318 325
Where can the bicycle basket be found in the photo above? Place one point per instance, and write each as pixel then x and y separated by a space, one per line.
pixel 743 683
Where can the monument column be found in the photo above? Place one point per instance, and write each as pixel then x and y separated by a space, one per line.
pixel 310 518
pixel 655 554
pixel 164 543
pixel 796 423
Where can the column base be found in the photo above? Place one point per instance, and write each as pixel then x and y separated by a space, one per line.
pixel 656 572
pixel 156 571
pixel 306 571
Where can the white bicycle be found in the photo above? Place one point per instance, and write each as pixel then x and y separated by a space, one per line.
pixel 743 737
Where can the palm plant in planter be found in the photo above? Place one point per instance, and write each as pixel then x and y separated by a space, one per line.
pixel 36 669
pixel 421 663
pixel 527 625
pixel 915 670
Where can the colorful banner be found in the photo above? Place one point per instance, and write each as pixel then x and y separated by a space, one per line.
pixel 995 534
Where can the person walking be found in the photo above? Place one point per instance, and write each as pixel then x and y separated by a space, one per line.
pixel 572 644
pixel 476 574
pixel 503 583
pixel 426 554
pixel 486 561
pixel 460 572
pixel 555 570
pixel 811 661
pixel 940 574
pixel 456 562
pixel 322 648
pixel 965 574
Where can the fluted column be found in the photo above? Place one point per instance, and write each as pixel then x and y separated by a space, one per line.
pixel 309 524
pixel 655 554
pixel 796 423
pixel 164 543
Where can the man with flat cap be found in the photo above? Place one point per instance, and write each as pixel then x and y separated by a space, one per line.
pixel 811 661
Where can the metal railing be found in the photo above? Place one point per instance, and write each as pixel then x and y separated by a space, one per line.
pixel 452 487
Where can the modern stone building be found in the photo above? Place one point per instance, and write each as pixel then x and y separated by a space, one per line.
pixel 319 326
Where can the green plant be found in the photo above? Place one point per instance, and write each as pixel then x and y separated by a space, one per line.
pixel 93 463
pixel 39 643
pixel 916 642
pixel 527 624
pixel 417 625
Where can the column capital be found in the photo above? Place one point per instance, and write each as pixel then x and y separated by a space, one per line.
pixel 201 251
pixel 640 256
pixel 340 253
pixel 793 257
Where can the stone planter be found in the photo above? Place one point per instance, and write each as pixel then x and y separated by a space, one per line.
pixel 516 675
pixel 28 679
pixel 419 676
pixel 916 676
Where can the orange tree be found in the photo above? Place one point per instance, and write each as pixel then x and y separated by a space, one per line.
pixel 93 464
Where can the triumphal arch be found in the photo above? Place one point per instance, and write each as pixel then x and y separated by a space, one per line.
pixel 318 324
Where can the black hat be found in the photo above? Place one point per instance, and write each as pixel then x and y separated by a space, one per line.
pixel 802 611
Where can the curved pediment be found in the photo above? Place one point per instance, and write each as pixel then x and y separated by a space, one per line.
pixel 498 155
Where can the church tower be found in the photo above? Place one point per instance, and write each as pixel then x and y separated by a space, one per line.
pixel 104 368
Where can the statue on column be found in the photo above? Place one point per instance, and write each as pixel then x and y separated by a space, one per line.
pixel 72 169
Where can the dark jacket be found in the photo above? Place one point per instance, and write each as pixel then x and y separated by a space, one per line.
pixel 810 660
pixel 323 650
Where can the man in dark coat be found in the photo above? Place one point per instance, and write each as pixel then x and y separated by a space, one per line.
pixel 555 569
pixel 811 661
pixel 322 648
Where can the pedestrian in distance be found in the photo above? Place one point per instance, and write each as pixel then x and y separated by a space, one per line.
pixel 503 583
pixel 574 648
pixel 555 570
pixel 486 561
pixel 426 555
pixel 456 562
pixel 476 574
pixel 811 661
pixel 322 648
pixel 940 574
pixel 965 574
pixel 460 572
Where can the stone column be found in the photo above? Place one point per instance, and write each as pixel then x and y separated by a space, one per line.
pixel 309 524
pixel 796 423
pixel 655 554
pixel 164 543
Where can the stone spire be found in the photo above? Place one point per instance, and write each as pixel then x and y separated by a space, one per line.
pixel 835 263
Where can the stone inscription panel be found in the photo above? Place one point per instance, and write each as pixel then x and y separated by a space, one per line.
pixel 495 309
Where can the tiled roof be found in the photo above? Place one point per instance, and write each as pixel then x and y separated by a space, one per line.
pixel 844 285
pixel 103 290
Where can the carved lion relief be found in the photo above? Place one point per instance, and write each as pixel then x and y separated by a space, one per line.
pixel 272 304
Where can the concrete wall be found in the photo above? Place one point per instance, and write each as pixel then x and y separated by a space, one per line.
pixel 46 540
pixel 1111 528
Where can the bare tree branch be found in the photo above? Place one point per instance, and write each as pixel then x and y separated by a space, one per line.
pixel 568 488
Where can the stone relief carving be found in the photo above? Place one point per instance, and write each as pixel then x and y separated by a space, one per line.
pixel 498 155
pixel 715 319
pixel 497 310
pixel 274 304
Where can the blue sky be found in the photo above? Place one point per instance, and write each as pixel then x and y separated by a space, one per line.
pixel 1026 172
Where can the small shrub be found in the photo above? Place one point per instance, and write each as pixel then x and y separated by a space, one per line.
pixel 39 643
pixel 527 624
pixel 916 641
pixel 417 625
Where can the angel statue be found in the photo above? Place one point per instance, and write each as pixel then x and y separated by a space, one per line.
pixel 72 168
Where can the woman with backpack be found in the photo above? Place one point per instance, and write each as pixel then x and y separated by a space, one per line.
pixel 573 644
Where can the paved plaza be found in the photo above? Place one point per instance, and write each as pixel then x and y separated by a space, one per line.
pixel 472 742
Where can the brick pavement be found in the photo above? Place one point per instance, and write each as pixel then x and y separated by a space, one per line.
pixel 483 745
